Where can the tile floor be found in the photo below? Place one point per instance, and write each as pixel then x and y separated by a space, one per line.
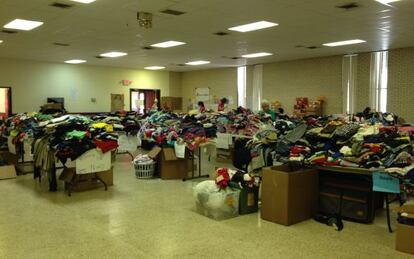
pixel 156 219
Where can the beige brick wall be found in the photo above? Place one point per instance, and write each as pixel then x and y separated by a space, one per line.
pixel 284 81
pixel 401 83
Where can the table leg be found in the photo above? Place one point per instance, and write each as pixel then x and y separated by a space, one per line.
pixel 387 206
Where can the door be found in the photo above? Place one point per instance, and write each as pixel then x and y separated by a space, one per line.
pixel 5 102
pixel 117 102
pixel 142 100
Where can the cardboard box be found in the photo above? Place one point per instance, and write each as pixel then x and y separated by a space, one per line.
pixel 10 158
pixel 405 233
pixel 173 103
pixel 85 182
pixel 27 146
pixel 52 106
pixel 171 167
pixel 7 172
pixel 289 195
pixel 93 161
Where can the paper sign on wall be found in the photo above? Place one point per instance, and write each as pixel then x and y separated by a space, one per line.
pixel 203 94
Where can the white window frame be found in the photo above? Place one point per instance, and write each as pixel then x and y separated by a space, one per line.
pixel 379 81
pixel 349 82
pixel 257 88
pixel 241 86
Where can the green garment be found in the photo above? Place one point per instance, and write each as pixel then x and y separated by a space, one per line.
pixel 271 112
pixel 76 134
pixel 14 133
pixel 43 117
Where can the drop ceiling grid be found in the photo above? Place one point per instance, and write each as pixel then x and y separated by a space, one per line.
pixel 106 25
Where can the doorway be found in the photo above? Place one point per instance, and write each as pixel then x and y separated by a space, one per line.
pixel 5 102
pixel 142 100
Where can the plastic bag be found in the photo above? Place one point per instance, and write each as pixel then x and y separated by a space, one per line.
pixel 215 203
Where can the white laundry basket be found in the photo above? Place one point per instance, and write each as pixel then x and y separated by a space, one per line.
pixel 144 170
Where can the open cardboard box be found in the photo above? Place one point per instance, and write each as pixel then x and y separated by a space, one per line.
pixel 405 233
pixel 169 166
pixel 289 195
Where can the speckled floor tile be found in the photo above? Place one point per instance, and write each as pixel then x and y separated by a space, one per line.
pixel 156 219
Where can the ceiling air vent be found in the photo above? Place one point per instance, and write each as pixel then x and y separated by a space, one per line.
pixel 100 57
pixel 227 57
pixel 61 5
pixel 221 33
pixel 9 31
pixel 61 44
pixel 147 48
pixel 312 47
pixel 172 12
pixel 348 6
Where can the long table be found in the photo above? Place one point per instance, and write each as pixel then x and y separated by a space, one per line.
pixel 363 172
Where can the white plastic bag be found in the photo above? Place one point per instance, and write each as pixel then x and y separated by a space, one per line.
pixel 215 203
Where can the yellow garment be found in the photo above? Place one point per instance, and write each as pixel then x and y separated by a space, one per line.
pixel 109 128
pixel 403 138
pixel 336 123
pixel 99 125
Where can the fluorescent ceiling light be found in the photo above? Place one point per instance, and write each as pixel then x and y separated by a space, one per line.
pixel 197 63
pixel 154 68
pixel 342 43
pixel 113 54
pixel 75 61
pixel 84 1
pixel 386 2
pixel 253 26
pixel 257 55
pixel 1 41
pixel 168 44
pixel 23 25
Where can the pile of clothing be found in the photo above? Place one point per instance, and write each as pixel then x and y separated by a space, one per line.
pixel 68 136
pixel 226 177
pixel 374 144
pixel 164 128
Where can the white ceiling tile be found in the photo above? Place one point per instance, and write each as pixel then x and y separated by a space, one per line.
pixel 112 25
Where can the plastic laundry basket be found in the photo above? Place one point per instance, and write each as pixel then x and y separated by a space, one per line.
pixel 144 170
